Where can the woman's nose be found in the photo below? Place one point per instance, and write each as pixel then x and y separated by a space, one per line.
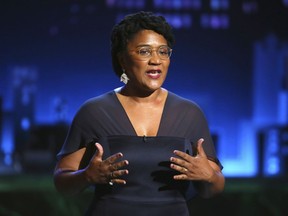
pixel 155 57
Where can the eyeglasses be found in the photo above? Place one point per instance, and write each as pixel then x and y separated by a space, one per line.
pixel 145 52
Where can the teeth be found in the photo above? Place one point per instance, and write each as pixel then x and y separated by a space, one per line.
pixel 153 72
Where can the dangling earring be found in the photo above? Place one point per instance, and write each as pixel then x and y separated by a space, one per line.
pixel 124 78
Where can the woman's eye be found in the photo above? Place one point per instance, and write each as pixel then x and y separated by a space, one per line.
pixel 144 52
pixel 163 52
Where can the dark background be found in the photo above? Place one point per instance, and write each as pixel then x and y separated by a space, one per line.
pixel 67 44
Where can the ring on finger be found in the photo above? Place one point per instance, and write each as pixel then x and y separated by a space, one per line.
pixel 111 175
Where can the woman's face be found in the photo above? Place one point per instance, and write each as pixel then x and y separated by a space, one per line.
pixel 146 73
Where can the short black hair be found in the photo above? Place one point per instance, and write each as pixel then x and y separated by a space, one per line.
pixel 132 24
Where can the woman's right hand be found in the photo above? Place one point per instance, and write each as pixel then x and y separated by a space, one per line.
pixel 106 171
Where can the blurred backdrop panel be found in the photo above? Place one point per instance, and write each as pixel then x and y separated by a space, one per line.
pixel 230 57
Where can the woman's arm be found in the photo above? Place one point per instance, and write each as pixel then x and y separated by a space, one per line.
pixel 214 183
pixel 67 178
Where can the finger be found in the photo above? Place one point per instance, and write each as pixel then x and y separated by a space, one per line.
pixel 178 161
pixel 115 177
pixel 117 174
pixel 180 177
pixel 118 181
pixel 111 159
pixel 99 152
pixel 200 149
pixel 178 168
pixel 118 165
pixel 182 155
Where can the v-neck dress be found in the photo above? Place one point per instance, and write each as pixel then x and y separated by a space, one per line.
pixel 150 188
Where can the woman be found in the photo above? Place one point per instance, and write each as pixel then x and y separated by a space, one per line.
pixel 145 149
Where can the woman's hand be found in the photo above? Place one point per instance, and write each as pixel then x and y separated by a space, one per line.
pixel 192 168
pixel 206 174
pixel 71 180
pixel 101 171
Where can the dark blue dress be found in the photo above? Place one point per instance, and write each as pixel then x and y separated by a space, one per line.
pixel 150 188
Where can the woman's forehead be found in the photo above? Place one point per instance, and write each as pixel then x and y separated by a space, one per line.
pixel 147 38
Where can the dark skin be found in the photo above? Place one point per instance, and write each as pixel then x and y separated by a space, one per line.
pixel 143 99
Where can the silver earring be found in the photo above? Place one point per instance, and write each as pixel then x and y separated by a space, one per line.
pixel 124 78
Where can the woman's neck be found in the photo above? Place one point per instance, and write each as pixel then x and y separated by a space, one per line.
pixel 142 96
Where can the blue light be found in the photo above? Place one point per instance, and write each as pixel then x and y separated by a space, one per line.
pixel 219 4
pixel 7 140
pixel 273 165
pixel 283 107
pixel 215 21
pixel 238 167
pixel 25 124
pixel 271 153
pixel 215 4
pixel 177 4
pixel 179 20
pixel 126 3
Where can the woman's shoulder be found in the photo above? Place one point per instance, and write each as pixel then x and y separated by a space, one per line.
pixel 97 103
pixel 178 100
pixel 185 107
pixel 102 99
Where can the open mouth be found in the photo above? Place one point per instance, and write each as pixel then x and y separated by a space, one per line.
pixel 154 74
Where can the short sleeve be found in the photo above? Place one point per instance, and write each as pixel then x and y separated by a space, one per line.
pixel 77 136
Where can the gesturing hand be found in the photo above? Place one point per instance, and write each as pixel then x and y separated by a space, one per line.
pixel 192 168
pixel 101 171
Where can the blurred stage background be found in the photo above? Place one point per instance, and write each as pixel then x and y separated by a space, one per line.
pixel 231 57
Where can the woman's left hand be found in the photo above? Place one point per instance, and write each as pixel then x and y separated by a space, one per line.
pixel 192 167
